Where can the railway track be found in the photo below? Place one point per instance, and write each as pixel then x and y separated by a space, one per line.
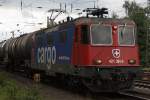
pixel 140 90
pixel 52 90
pixel 136 95
pixel 142 84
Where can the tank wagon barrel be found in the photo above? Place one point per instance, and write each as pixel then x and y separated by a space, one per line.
pixel 19 47
pixel 2 52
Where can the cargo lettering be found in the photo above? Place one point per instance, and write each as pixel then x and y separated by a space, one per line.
pixel 46 55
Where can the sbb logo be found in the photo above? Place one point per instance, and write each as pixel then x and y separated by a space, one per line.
pixel 46 55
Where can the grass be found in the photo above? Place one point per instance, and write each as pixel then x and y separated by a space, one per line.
pixel 9 90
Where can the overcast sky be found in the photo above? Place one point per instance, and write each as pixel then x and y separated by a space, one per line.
pixel 13 17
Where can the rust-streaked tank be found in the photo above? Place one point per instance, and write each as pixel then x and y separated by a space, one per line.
pixel 20 47
pixel 2 51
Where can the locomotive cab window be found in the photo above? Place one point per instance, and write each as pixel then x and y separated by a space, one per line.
pixel 101 35
pixel 126 35
pixel 84 34
pixel 76 34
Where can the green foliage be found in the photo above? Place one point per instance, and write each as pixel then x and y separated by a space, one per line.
pixel 29 94
pixel 139 15
pixel 9 90
pixel 114 15
pixel 3 78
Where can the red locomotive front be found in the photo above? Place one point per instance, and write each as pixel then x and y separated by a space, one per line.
pixel 106 43
pixel 105 52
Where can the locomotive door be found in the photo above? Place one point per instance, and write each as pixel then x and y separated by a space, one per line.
pixel 76 45
pixel 81 44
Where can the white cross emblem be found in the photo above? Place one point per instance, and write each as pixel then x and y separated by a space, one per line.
pixel 116 53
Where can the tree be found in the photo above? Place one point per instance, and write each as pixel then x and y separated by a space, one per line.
pixel 126 6
pixel 114 15
pixel 139 15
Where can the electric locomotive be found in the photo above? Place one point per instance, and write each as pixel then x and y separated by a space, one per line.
pixel 101 53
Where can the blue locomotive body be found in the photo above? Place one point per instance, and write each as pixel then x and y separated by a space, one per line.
pixel 53 47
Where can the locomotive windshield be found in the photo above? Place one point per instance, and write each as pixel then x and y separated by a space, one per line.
pixel 126 35
pixel 101 35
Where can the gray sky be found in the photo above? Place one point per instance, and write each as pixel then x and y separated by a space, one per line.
pixel 27 18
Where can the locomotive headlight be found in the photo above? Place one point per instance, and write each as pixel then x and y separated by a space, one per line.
pixel 98 61
pixel 131 61
pixel 115 27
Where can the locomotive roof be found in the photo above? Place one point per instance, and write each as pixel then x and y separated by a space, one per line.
pixel 93 20
pixel 90 20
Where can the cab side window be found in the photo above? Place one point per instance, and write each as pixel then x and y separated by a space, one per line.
pixel 84 34
pixel 76 35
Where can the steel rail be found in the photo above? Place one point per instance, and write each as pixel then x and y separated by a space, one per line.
pixel 136 95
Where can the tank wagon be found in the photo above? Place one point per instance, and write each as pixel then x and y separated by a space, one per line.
pixel 2 51
pixel 101 53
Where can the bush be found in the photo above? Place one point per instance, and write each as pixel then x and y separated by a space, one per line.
pixel 9 90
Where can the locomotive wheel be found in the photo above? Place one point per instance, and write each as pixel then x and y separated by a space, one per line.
pixel 93 85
